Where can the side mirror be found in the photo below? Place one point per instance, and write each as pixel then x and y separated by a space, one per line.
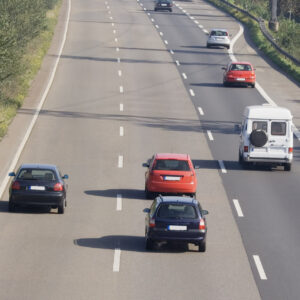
pixel 146 210
pixel 204 212
pixel 146 165
pixel 12 174
pixel 65 176
pixel 223 68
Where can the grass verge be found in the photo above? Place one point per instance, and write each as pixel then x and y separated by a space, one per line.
pixel 17 88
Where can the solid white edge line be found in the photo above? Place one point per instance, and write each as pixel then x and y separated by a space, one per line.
pixel 192 93
pixel 39 107
pixel 120 161
pixel 121 107
pixel 117 258
pixel 200 111
pixel 119 202
pixel 184 76
pixel 121 131
pixel 260 267
pixel 210 136
pixel 238 208
pixel 222 166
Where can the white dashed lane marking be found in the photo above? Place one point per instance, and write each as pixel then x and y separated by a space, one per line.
pixel 260 267
pixel 184 76
pixel 117 49
pixel 238 208
pixel 192 92
pixel 119 73
pixel 121 89
pixel 119 202
pixel 177 63
pixel 120 161
pixel 117 258
pixel 171 51
pixel 121 131
pixel 210 136
pixel 121 107
pixel 200 111
pixel 222 166
pixel 166 42
pixel 161 33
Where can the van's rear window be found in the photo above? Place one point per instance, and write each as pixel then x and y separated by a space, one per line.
pixel 278 128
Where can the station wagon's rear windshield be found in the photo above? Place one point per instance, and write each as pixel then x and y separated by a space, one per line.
pixel 218 33
pixel 177 211
pixel 37 174
pixel 172 165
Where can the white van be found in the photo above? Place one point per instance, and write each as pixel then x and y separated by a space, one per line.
pixel 266 136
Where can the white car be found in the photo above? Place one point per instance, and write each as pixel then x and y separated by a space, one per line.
pixel 218 37
pixel 266 136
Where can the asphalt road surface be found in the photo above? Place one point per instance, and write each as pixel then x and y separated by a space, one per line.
pixel 132 82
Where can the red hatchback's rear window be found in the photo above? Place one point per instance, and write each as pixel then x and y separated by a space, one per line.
pixel 172 165
pixel 240 67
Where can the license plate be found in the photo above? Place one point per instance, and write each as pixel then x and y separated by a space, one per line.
pixel 177 227
pixel 172 178
pixel 240 79
pixel 37 188
pixel 163 4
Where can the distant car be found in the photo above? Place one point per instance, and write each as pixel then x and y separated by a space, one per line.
pixel 170 173
pixel 163 5
pixel 38 184
pixel 241 73
pixel 175 219
pixel 218 37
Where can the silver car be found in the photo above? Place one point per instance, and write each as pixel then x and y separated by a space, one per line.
pixel 218 37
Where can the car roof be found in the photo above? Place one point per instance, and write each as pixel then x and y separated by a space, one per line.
pixel 38 166
pixel 172 156
pixel 177 199
pixel 267 112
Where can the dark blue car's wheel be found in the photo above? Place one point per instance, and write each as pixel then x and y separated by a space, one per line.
pixel 202 247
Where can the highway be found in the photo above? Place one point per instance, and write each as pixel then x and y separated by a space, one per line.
pixel 132 82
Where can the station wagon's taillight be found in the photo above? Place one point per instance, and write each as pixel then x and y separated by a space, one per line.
pixel 291 150
pixel 152 223
pixel 246 148
pixel 58 187
pixel 16 186
pixel 202 226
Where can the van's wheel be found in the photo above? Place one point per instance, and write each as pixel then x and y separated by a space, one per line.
pixel 202 247
pixel 287 167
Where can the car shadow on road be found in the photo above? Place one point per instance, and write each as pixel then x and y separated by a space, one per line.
pixel 126 193
pixel 26 209
pixel 128 243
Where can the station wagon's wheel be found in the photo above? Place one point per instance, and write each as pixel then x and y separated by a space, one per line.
pixel 61 207
pixel 202 247
pixel 287 167
pixel 149 244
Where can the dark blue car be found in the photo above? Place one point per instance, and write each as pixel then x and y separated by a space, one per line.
pixel 175 219
pixel 38 184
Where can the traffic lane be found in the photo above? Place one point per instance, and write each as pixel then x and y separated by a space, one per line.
pixel 142 103
pixel 76 122
pixel 223 143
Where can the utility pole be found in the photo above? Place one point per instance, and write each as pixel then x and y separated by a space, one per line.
pixel 273 23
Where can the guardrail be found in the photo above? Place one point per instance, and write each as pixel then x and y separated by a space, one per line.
pixel 265 32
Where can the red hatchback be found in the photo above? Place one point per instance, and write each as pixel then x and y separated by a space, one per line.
pixel 170 173
pixel 241 73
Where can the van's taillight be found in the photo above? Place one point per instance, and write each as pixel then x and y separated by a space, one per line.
pixel 202 225
pixel 291 150
pixel 16 186
pixel 152 223
pixel 246 148
pixel 58 187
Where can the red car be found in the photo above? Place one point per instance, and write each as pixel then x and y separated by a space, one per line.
pixel 170 173
pixel 241 73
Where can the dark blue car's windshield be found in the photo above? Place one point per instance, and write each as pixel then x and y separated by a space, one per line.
pixel 177 211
